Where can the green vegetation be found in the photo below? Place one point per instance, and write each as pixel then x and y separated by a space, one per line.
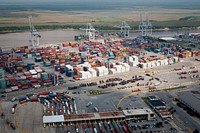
pixel 180 87
pixel 15 21
pixel 144 99
pixel 191 18
pixel 103 26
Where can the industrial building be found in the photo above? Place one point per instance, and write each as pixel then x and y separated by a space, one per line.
pixel 159 107
pixel 155 103
pixel 145 113
pixel 191 99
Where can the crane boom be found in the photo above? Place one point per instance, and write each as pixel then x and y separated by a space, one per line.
pixel 34 39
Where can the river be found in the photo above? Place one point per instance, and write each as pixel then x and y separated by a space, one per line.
pixel 11 40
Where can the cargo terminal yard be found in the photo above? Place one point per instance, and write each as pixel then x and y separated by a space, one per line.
pixel 109 84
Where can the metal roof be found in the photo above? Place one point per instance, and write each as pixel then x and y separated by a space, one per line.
pixel 168 39
pixel 191 99
pixel 54 118
pixel 134 112
pixel 157 103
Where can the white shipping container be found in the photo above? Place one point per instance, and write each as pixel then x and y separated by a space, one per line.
pixel 127 67
pixel 69 67
pixel 144 65
pixel 32 72
pixel 176 59
pixel 118 68
pixel 133 63
pixel 105 71
pixel 162 63
pixel 148 64
pixel 8 90
pixel 87 64
pixel 100 71
pixel 30 56
pixel 57 62
pixel 166 61
pixel 112 71
pixel 35 76
pixel 85 74
pixel 153 64
pixel 93 72
pixel 157 63
pixel 130 59
pixel 123 69
pixel 135 58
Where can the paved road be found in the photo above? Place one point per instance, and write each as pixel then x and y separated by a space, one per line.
pixel 182 119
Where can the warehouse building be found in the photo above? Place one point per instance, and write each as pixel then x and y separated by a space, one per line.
pixel 155 103
pixel 144 114
pixel 191 99
pixel 136 114
pixel 159 107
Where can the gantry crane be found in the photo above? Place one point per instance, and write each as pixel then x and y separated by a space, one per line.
pixel 124 29
pixel 90 32
pixel 145 26
pixel 35 36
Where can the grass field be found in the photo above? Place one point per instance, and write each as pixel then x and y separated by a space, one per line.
pixel 102 19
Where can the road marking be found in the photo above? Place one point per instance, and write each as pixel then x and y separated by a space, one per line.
pixel 124 98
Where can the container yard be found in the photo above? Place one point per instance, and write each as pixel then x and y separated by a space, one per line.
pixel 24 67
pixel 95 86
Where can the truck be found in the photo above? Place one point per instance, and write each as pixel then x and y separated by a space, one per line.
pixel 95 130
pixel 96 109
pixel 12 126
pixel 124 129
pixel 88 104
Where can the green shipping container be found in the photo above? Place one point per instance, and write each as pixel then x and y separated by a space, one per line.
pixel 44 76
pixel 2 84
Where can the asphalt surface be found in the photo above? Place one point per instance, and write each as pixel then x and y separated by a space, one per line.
pixel 108 102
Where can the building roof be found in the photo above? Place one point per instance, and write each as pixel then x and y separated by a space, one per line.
pixel 191 99
pixel 54 118
pixel 135 112
pixel 157 103
pixel 152 98
pixel 94 116
pixel 167 39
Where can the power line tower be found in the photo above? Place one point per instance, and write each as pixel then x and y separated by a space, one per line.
pixel 124 29
pixel 35 36
pixel 145 26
